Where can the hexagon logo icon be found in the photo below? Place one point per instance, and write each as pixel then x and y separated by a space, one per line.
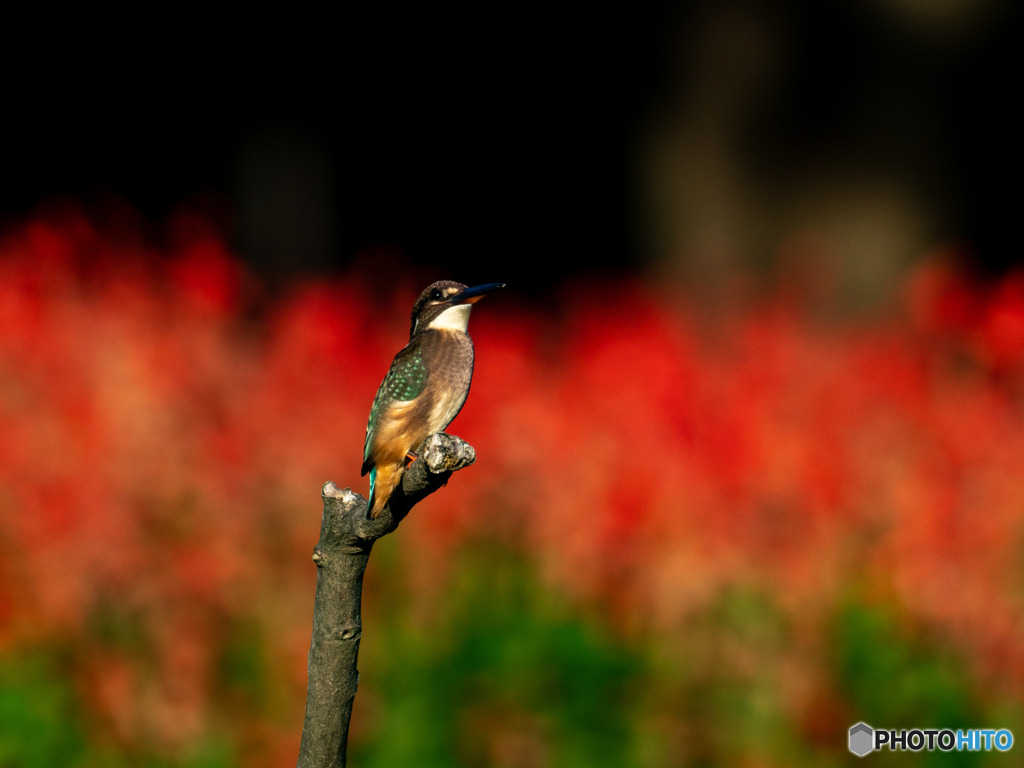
pixel 862 737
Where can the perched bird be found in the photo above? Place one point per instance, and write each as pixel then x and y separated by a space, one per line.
pixel 425 388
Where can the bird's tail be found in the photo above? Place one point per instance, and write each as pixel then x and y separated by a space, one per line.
pixel 383 481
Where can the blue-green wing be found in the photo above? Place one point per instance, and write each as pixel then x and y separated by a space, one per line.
pixel 405 381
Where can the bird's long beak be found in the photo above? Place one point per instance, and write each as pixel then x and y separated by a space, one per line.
pixel 474 294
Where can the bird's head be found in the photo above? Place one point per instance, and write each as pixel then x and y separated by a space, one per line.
pixel 446 305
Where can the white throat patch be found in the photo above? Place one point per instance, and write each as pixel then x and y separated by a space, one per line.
pixel 452 319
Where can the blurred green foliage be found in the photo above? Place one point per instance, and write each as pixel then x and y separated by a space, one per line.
pixel 39 726
pixel 895 677
pixel 43 724
pixel 506 675
pixel 503 671
pixel 243 665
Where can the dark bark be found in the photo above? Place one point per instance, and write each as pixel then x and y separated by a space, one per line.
pixel 346 537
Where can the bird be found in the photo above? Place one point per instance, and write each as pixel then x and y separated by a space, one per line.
pixel 424 389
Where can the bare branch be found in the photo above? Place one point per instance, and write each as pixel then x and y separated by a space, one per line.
pixel 346 538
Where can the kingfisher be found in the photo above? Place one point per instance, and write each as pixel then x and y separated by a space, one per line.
pixel 425 388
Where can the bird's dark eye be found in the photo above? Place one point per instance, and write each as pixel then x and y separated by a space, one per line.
pixel 435 294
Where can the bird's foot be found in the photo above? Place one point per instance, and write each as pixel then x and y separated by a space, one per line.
pixel 410 457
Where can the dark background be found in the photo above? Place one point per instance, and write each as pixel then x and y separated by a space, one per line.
pixel 484 144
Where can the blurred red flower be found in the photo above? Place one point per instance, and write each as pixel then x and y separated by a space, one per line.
pixel 160 458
